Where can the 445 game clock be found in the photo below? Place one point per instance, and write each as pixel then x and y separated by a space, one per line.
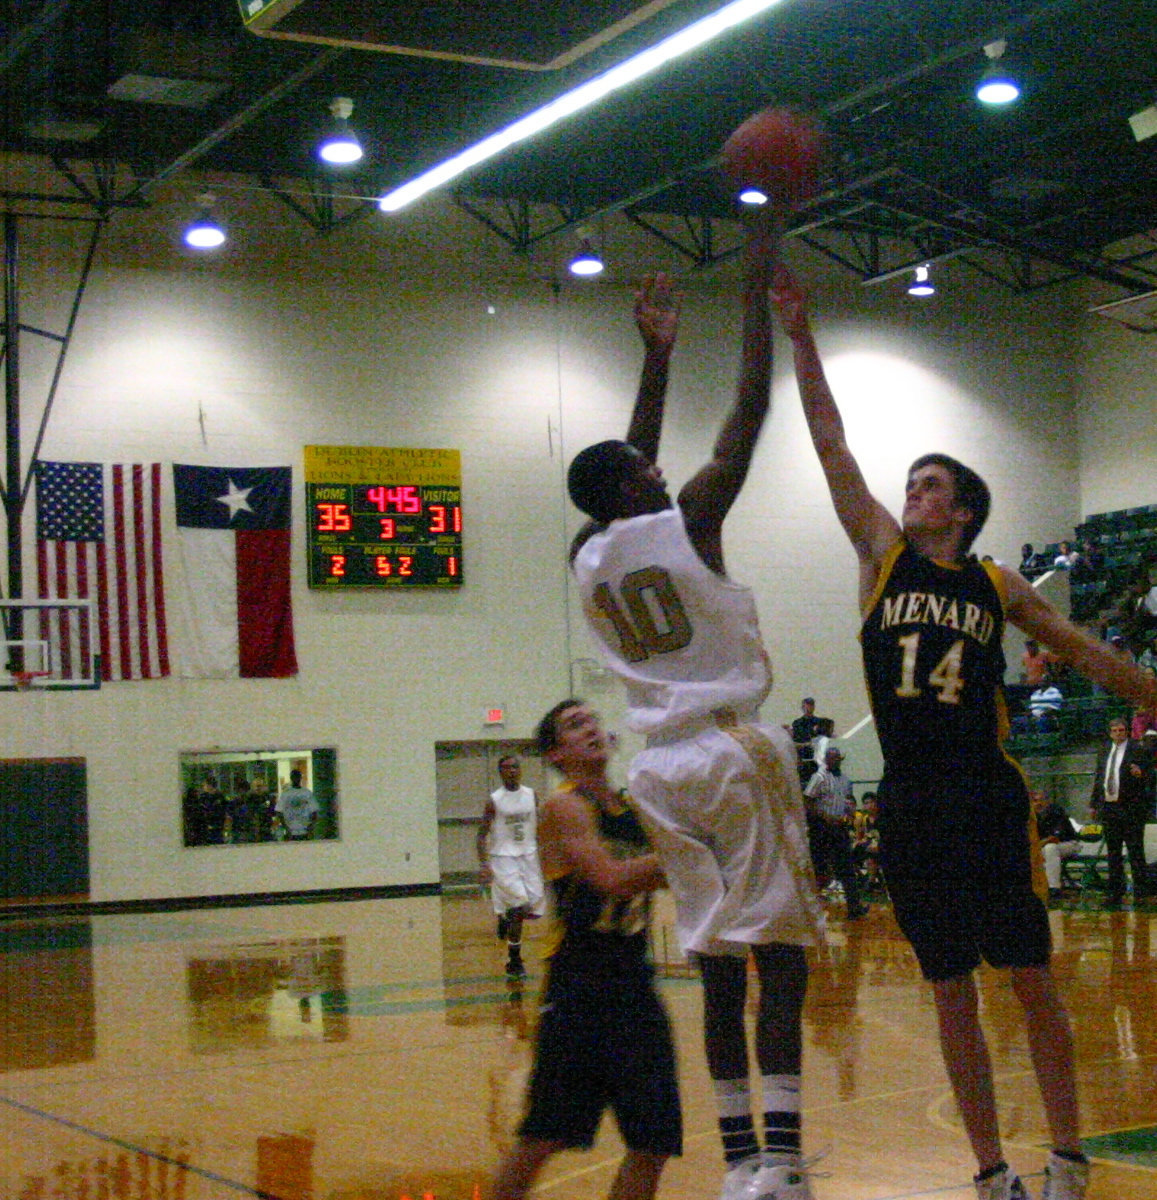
pixel 382 517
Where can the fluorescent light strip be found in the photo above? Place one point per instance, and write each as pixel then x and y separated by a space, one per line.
pixel 577 99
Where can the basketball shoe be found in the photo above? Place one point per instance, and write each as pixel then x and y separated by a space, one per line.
pixel 780 1177
pixel 1003 1184
pixel 737 1181
pixel 1065 1179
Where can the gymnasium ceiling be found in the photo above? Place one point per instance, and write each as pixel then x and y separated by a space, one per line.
pixel 125 95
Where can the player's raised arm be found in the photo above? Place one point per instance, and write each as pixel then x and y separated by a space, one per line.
pixel 1029 611
pixel 871 528
pixel 657 319
pixel 709 494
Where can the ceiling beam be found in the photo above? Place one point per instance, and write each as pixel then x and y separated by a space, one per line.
pixel 239 120
pixel 28 35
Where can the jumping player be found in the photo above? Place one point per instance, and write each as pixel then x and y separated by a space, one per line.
pixel 718 790
pixel 604 1040
pixel 954 808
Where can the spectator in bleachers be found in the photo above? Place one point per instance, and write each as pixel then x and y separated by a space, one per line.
pixel 1144 719
pixel 1044 705
pixel 1118 642
pixel 1091 563
pixel 1147 659
pixel 803 732
pixel 1067 557
pixel 866 839
pixel 1037 664
pixel 1057 836
pixel 1032 564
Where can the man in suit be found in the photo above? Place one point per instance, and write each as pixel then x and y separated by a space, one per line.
pixel 1122 787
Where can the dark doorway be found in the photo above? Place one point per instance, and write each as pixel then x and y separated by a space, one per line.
pixel 43 828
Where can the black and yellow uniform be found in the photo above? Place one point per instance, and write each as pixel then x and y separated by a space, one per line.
pixel 954 808
pixel 604 1039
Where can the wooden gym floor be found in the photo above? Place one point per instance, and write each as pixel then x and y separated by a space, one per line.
pixel 372 1050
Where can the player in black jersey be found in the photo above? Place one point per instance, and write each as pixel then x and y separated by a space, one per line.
pixel 604 1040
pixel 954 808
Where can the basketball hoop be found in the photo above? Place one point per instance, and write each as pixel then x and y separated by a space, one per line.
pixel 23 679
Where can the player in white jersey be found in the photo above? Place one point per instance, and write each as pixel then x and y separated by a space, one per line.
pixel 718 789
pixel 508 858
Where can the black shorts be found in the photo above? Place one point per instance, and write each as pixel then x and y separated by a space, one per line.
pixel 955 855
pixel 604 1045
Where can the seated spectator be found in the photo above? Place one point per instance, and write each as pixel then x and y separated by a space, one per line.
pixel 1037 664
pixel 1044 705
pixel 1144 723
pixel 866 839
pixel 1058 839
pixel 1067 557
pixel 1032 564
pixel 1121 646
pixel 1091 563
pixel 1147 659
pixel 1145 608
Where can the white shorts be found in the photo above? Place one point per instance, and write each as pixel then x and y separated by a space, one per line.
pixel 724 811
pixel 516 882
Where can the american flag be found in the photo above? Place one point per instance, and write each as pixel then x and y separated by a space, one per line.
pixel 98 534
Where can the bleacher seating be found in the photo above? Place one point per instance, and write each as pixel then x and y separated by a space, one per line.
pixel 1128 539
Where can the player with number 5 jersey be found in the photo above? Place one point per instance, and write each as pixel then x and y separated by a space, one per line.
pixel 717 788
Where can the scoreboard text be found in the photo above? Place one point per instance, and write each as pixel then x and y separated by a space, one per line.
pixel 381 517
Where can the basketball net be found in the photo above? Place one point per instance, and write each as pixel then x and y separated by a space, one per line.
pixel 23 679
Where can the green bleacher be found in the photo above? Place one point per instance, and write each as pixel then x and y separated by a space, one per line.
pixel 1128 539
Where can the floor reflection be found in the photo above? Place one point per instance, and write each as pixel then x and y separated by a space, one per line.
pixel 47 1010
pixel 374 1051
pixel 254 996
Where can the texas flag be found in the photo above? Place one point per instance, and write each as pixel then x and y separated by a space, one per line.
pixel 233 538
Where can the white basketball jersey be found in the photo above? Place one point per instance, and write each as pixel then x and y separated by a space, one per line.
pixel 683 639
pixel 514 829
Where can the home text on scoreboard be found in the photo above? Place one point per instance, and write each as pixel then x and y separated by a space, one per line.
pixel 383 517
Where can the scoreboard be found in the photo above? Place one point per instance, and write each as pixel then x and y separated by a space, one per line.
pixel 382 517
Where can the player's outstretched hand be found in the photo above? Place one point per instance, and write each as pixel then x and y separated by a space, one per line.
pixel 790 302
pixel 657 312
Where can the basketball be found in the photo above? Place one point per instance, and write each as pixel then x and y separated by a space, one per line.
pixel 781 151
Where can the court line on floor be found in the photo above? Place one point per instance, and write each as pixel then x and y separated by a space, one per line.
pixel 133 1148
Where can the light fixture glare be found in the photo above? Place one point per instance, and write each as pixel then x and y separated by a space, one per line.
pixel 586 94
pixel 586 262
pixel 341 146
pixel 997 90
pixel 341 150
pixel 752 196
pixel 922 284
pixel 205 231
pixel 204 235
pixel 997 85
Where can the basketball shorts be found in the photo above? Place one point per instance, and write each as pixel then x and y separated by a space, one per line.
pixel 604 1044
pixel 516 882
pixel 955 854
pixel 724 812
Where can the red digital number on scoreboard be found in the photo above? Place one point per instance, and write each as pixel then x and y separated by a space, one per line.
pixel 404 499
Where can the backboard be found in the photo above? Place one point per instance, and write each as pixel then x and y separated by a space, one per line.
pixel 49 644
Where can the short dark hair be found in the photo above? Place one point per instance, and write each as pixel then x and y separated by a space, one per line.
pixel 295 778
pixel 809 700
pixel 594 477
pixel 507 758
pixel 546 735
pixel 969 491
